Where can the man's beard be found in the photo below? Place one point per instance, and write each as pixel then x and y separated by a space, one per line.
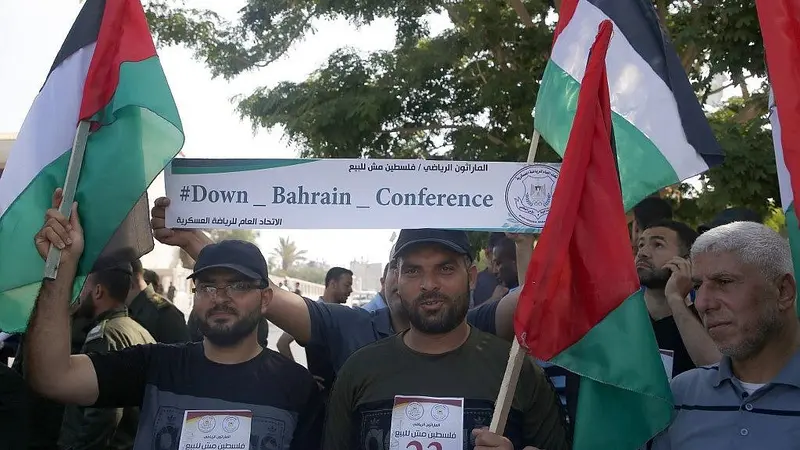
pixel 451 314
pixel 226 335
pixel 654 278
pixel 769 324
pixel 86 308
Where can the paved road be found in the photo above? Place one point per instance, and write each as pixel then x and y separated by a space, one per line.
pixel 298 352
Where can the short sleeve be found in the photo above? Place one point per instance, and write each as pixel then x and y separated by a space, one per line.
pixel 121 376
pixel 328 323
pixel 483 317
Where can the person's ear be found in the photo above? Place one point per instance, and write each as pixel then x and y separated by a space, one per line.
pixel 787 292
pixel 266 299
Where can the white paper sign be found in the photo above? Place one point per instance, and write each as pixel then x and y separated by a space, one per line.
pixel 218 430
pixel 427 423
pixel 358 193
pixel 668 358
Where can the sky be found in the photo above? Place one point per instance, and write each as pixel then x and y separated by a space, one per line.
pixel 31 32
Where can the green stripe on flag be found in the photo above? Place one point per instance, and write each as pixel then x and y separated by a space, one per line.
pixel 197 167
pixel 556 104
pixel 624 397
pixel 793 230
pixel 122 159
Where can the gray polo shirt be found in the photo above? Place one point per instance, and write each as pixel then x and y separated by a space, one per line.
pixel 715 412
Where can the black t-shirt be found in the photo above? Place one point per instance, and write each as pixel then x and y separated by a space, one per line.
pixel 166 380
pixel 360 406
pixel 669 338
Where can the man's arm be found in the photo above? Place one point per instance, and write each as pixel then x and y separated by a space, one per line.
pixel 287 310
pixel 503 315
pixel 699 345
pixel 50 369
pixel 496 317
pixel 283 345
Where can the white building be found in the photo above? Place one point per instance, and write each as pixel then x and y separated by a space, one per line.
pixel 367 276
pixel 6 141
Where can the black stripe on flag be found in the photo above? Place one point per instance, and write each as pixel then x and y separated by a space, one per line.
pixel 639 23
pixel 134 237
pixel 83 32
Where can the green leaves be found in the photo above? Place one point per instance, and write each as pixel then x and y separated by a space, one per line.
pixel 468 92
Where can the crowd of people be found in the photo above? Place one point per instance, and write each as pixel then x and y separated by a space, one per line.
pixel 118 369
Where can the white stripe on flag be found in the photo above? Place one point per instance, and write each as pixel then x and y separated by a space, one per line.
pixel 784 178
pixel 637 93
pixel 49 127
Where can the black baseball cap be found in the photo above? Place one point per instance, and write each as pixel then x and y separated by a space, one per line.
pixel 242 256
pixel 111 263
pixel 452 239
pixel 730 215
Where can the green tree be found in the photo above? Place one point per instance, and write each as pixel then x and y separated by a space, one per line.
pixel 288 253
pixel 312 271
pixel 467 93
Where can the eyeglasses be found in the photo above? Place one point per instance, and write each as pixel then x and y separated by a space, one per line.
pixel 233 290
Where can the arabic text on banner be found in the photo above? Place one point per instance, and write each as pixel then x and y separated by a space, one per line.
pixel 358 193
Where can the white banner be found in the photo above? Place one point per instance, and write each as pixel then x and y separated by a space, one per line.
pixel 358 194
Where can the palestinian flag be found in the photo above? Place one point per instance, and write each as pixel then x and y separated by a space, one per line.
pixel 661 133
pixel 580 306
pixel 107 72
pixel 780 27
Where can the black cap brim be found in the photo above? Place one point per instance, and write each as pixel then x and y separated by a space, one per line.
pixel 452 246
pixel 235 267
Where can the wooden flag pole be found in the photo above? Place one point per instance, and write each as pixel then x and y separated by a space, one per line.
pixel 70 186
pixel 517 354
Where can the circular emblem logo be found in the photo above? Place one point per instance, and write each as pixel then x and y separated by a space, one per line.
pixel 206 424
pixel 415 411
pixel 529 194
pixel 440 412
pixel 230 424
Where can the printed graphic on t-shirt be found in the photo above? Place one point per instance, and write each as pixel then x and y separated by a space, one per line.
pixel 374 423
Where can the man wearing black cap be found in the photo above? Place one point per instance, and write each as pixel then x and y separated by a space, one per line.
pixel 338 329
pixel 228 371
pixel 440 356
pixel 102 301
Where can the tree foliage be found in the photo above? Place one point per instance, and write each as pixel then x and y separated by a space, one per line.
pixel 467 93
pixel 312 271
pixel 288 253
